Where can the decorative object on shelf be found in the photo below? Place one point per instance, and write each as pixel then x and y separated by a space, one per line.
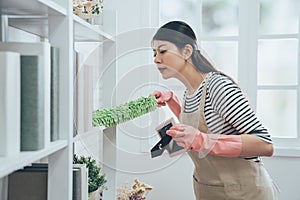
pixel 80 182
pixel 87 9
pixel 138 191
pixel 112 116
pixel 97 194
pixel 96 180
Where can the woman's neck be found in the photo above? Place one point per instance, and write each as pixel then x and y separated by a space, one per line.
pixel 191 78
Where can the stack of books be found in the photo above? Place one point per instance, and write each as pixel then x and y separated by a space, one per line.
pixel 29 75
pixel 31 182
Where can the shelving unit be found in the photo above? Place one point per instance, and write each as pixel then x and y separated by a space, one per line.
pixel 54 20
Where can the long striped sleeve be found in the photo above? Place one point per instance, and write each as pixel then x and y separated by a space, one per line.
pixel 227 110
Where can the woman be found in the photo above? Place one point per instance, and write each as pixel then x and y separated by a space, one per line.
pixel 221 132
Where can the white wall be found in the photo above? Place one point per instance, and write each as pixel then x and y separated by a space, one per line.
pixel 171 178
pixel 137 76
pixel 285 171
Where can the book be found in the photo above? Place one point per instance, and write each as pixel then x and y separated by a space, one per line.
pixel 87 71
pixel 76 184
pixel 80 182
pixel 84 97
pixel 75 92
pixel 32 104
pixel 35 92
pixel 3 188
pixel 54 127
pixel 29 183
pixel 10 103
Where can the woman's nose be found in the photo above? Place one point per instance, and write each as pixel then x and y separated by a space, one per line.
pixel 157 59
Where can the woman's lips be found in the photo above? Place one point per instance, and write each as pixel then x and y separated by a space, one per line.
pixel 161 69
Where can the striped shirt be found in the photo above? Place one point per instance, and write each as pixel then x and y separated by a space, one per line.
pixel 226 110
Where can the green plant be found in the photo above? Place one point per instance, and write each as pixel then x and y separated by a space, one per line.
pixel 95 178
pixel 112 116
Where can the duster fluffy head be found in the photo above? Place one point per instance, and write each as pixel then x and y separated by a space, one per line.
pixel 112 116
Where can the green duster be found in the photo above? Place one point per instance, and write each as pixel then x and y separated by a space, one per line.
pixel 118 114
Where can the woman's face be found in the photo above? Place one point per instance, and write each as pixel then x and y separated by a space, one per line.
pixel 168 58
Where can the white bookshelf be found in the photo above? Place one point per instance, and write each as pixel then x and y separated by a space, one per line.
pixel 54 21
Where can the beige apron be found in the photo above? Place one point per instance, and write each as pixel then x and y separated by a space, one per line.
pixel 220 178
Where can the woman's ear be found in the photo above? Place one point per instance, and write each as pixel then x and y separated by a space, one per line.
pixel 187 51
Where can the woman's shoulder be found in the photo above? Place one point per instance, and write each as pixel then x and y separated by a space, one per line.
pixel 222 86
pixel 219 78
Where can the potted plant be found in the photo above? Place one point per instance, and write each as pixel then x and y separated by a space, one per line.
pixel 96 180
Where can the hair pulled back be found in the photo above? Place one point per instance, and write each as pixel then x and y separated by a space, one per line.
pixel 180 34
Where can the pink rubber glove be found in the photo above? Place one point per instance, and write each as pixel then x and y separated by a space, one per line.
pixel 214 144
pixel 168 98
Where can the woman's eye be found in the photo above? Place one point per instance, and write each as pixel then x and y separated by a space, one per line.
pixel 161 52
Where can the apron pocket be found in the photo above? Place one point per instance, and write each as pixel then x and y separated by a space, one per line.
pixel 208 191
pixel 234 191
pixel 250 188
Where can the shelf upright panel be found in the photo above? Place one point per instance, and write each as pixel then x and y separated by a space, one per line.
pixel 60 163
pixel 109 79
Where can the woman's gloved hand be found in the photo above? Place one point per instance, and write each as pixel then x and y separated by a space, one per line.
pixel 162 97
pixel 216 144
pixel 168 98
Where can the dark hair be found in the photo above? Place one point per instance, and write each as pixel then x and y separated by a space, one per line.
pixel 181 34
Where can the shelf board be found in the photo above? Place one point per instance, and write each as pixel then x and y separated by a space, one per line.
pixel 11 164
pixel 31 7
pixel 38 25
pixel 85 31
pixel 93 131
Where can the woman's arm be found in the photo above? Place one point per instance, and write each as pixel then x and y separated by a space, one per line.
pixel 174 105
pixel 244 145
pixel 231 104
pixel 254 146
